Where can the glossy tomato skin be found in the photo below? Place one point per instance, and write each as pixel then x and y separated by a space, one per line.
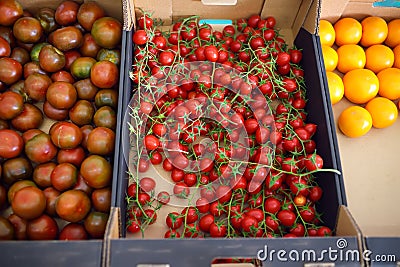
pixel 16 169
pixel 10 11
pixel 88 13
pixel 104 74
pixel 96 171
pixel 61 95
pixel 73 205
pixel 66 13
pixel 107 32
pixel 51 195
pixel 101 199
pixel 95 224
pixel 31 117
pixel 12 105
pixel 66 135
pixel 64 176
pixel 73 231
pixel 29 202
pixel 19 225
pixel 42 228
pixel 11 143
pixel 101 141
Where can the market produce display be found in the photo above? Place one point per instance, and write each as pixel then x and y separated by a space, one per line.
pixel 220 145
pixel 59 71
pixel 362 64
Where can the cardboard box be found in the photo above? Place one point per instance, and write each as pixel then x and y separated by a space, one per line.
pixel 297 20
pixel 67 253
pixel 370 162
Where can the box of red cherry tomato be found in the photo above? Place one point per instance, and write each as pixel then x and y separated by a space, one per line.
pixel 228 150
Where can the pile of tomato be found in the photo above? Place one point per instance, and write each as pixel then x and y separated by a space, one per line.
pixel 243 90
pixel 362 62
pixel 59 70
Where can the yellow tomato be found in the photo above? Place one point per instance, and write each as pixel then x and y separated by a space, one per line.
pixel 379 57
pixel 360 85
pixel 326 33
pixel 355 121
pixel 330 58
pixel 393 37
pixel 389 83
pixel 374 31
pixel 336 87
pixel 347 31
pixel 383 112
pixel 396 52
pixel 350 57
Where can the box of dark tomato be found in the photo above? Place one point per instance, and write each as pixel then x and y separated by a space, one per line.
pixel 61 78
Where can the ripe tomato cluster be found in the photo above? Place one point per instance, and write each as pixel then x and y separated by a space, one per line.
pixel 221 116
pixel 59 70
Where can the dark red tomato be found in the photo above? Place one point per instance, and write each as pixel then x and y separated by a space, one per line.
pixel 51 195
pixel 28 135
pixel 64 176
pixel 88 13
pixel 66 13
pixel 11 144
pixel 249 224
pixel 19 225
pixel 73 205
pixel 251 125
pixel 174 220
pixel 166 58
pixel 272 205
pixel 12 105
pixel 205 222
pixel 101 141
pixel 298 230
pixel 73 231
pixel 151 142
pixel 96 171
pixel 30 118
pixel 217 230
pixel 211 53
pixel 29 202
pixel 54 113
pixel 140 37
pixel 61 95
pixel 172 233
pixel 95 224
pixel 82 185
pixel 62 76
pixel 5 48
pixel 286 217
pixel 311 128
pixel 104 74
pixel 42 228
pixel 107 32
pixel 167 165
pixel 85 130
pixel 205 34
pixel 10 11
pixel 65 135
pixel 101 199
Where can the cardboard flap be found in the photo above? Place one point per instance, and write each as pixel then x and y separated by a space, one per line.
pixel 359 9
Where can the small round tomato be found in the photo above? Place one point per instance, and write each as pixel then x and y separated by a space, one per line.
pixel 286 217
pixel 174 220
pixel 11 143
